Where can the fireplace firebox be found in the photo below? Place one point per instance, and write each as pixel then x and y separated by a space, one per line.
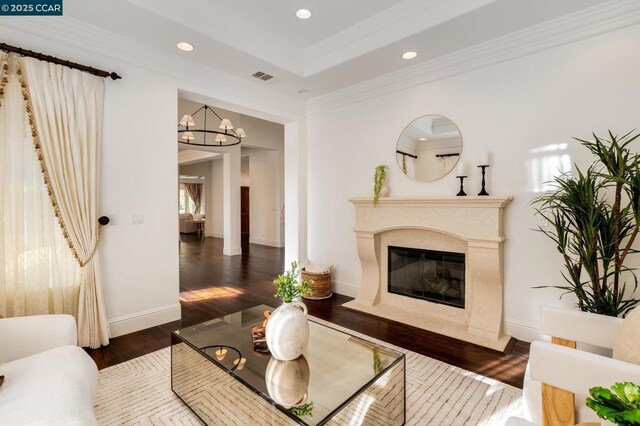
pixel 435 276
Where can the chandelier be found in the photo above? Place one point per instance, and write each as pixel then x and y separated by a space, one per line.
pixel 224 133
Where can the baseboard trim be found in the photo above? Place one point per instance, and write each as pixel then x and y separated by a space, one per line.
pixel 233 251
pixel 522 330
pixel 264 242
pixel 214 234
pixel 345 289
pixel 140 320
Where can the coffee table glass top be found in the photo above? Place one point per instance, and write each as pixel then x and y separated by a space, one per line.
pixel 333 370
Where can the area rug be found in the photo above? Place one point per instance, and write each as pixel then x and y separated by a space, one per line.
pixel 138 392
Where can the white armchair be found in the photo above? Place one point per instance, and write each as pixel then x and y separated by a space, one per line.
pixel 559 374
pixel 48 378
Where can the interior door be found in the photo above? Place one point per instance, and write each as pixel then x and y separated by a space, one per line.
pixel 244 214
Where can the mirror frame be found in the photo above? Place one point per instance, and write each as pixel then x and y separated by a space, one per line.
pixel 454 166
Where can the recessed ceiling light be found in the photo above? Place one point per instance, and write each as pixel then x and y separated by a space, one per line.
pixel 303 92
pixel 423 139
pixel 409 55
pixel 185 46
pixel 303 13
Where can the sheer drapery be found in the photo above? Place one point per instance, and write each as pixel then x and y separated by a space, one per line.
pixel 195 192
pixel 39 274
pixel 66 110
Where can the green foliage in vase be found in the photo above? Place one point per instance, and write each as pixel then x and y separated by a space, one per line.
pixel 302 410
pixel 290 286
pixel 620 405
pixel 378 180
pixel 594 218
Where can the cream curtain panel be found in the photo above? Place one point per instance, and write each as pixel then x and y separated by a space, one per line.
pixel 195 192
pixel 38 274
pixel 66 109
pixel 64 122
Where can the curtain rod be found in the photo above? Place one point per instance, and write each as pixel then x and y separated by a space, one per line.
pixel 407 154
pixel 455 154
pixel 58 61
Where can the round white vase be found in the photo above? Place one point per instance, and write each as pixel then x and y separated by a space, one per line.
pixel 287 331
pixel 384 191
pixel 288 381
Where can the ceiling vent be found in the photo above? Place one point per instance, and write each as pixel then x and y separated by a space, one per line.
pixel 262 76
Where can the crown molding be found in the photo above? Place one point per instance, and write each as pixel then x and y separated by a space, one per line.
pixel 400 21
pixel 105 46
pixel 603 18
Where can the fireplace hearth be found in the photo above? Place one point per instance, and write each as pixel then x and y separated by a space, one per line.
pixel 431 275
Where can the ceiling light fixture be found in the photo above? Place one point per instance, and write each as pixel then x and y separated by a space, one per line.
pixel 184 46
pixel 409 55
pixel 225 134
pixel 303 13
pixel 422 139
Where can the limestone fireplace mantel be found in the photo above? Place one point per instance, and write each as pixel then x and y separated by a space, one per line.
pixel 469 225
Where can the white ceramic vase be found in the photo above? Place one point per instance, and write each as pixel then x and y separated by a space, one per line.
pixel 288 381
pixel 384 191
pixel 288 331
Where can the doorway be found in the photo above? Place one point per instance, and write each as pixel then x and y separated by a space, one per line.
pixel 245 216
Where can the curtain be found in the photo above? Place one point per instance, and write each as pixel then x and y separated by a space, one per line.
pixel 407 164
pixel 195 192
pixel 38 274
pixel 65 107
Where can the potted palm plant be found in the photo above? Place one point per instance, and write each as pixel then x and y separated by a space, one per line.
pixel 594 219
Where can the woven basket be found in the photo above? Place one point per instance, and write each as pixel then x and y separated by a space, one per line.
pixel 321 287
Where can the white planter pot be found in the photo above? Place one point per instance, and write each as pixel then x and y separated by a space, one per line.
pixel 288 381
pixel 287 331
pixel 384 191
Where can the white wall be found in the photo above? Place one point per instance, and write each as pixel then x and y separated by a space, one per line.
pixel 139 157
pixel 244 171
pixel 519 111
pixel 265 198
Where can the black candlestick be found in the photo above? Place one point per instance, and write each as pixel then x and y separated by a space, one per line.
pixel 461 193
pixel 484 191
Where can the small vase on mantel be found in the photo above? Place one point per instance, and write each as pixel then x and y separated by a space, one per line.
pixel 384 191
pixel 287 331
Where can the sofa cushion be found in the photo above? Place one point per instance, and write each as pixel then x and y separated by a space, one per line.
pixel 626 347
pixel 198 216
pixel 55 387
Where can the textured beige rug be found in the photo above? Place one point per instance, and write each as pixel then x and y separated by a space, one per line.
pixel 138 392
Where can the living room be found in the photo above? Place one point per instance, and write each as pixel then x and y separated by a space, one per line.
pixel 441 295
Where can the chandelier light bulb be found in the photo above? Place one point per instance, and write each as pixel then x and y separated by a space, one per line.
pixel 221 139
pixel 240 132
pixel 188 136
pixel 187 120
pixel 225 124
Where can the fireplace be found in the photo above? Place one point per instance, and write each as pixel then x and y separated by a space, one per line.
pixel 452 287
pixel 435 276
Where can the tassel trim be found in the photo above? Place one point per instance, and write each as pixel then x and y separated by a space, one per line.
pixel 4 74
pixel 45 172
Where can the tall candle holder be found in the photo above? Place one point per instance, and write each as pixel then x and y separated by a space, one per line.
pixel 483 191
pixel 461 193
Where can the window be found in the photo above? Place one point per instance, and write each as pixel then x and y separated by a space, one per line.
pixel 186 204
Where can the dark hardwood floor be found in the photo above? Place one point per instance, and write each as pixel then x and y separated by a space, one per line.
pixel 213 285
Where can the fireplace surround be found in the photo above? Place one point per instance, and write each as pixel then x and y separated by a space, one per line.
pixel 468 226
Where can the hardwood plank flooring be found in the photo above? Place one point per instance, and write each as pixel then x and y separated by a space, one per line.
pixel 213 285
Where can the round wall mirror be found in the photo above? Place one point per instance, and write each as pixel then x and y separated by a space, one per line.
pixel 429 148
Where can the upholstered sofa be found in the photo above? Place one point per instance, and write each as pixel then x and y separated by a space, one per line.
pixel 48 378
pixel 188 222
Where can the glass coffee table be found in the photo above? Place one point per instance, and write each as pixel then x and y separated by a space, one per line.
pixel 340 379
